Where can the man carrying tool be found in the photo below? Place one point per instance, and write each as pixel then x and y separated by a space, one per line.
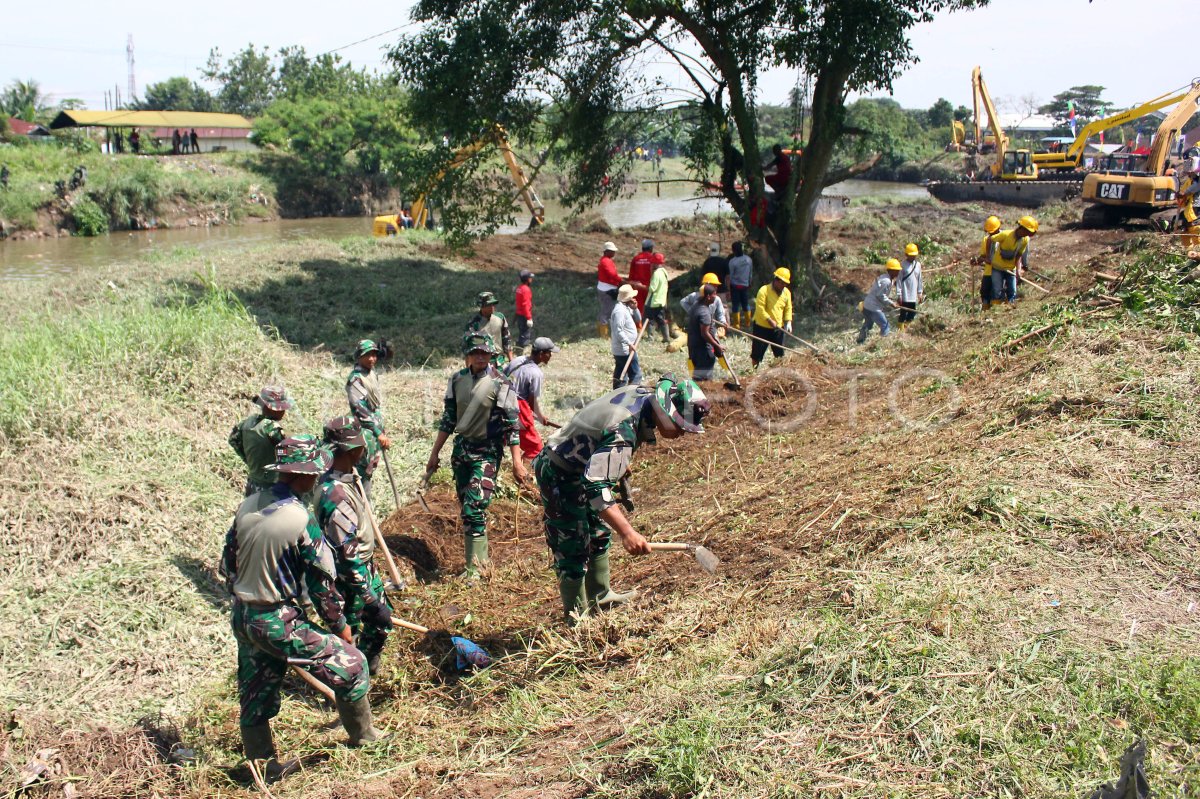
pixel 641 270
pixel 986 253
pixel 362 390
pixel 526 376
pixel 579 474
pixel 741 268
pixel 1010 258
pixel 255 438
pixel 623 338
pixel 656 298
pixel 910 285
pixel 772 315
pixel 480 409
pixel 523 300
pixel 348 526
pixel 274 550
pixel 703 346
pixel 607 283
pixel 718 307
pixel 491 322
pixel 877 301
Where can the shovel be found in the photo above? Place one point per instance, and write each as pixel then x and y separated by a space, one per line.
pixel 732 385
pixel 421 489
pixel 704 556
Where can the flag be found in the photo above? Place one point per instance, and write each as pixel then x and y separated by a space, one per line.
pixel 1071 115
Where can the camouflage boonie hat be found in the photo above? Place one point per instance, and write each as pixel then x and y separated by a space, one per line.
pixel 683 401
pixel 300 455
pixel 486 298
pixel 344 432
pixel 274 398
pixel 478 341
pixel 365 346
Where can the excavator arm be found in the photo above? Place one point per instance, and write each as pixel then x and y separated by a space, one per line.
pixel 1156 162
pixel 1010 164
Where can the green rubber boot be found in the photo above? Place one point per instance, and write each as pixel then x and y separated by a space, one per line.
pixel 356 719
pixel 599 590
pixel 259 746
pixel 476 554
pixel 574 604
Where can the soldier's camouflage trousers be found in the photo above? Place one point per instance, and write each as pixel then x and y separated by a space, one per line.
pixel 266 638
pixel 574 531
pixel 475 468
pixel 368 635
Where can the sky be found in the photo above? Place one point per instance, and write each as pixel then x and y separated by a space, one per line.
pixel 76 49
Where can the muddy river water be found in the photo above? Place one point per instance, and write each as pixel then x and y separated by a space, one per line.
pixel 41 258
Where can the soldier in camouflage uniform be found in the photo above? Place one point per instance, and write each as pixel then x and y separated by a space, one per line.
pixel 481 410
pixel 347 522
pixel 362 390
pixel 255 438
pixel 578 474
pixel 491 322
pixel 273 546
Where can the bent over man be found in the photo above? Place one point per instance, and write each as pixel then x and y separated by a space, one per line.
pixel 273 551
pixel 578 474
pixel 346 521
pixel 481 411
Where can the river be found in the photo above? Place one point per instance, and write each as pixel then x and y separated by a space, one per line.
pixel 39 258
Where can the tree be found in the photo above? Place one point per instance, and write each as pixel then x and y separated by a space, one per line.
pixel 580 68
pixel 24 99
pixel 940 114
pixel 1086 99
pixel 175 94
pixel 963 114
pixel 247 80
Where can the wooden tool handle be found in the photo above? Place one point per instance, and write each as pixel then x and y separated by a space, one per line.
pixel 315 683
pixel 379 542
pixel 669 546
pixel 408 625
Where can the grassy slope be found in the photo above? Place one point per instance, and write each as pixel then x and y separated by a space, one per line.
pixel 995 607
pixel 166 186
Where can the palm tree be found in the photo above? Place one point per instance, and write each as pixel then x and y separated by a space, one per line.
pixel 24 99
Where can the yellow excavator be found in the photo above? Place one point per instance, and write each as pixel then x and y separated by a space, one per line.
pixel 391 224
pixel 1117 194
pixel 1070 159
pixel 1010 164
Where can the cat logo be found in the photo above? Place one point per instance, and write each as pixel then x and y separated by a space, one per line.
pixel 1113 191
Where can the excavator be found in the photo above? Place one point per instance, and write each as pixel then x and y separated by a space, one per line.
pixel 391 224
pixel 1069 160
pixel 1010 164
pixel 1117 194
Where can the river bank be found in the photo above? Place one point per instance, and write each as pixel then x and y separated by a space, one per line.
pixel 917 596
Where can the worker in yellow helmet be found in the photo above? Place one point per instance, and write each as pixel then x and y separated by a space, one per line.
pixel 1188 197
pixel 910 285
pixel 878 301
pixel 772 316
pixel 990 226
pixel 1010 258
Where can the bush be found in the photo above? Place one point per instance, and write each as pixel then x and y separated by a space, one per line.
pixel 89 218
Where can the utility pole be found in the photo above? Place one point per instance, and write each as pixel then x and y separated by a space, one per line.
pixel 129 60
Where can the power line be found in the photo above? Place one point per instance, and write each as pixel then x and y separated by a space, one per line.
pixel 369 38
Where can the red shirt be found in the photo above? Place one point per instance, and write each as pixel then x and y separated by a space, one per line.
pixel 641 269
pixel 607 272
pixel 524 301
pixel 783 174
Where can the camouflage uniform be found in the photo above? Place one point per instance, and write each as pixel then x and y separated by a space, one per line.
pixel 481 410
pixel 347 524
pixel 366 399
pixel 495 326
pixel 255 438
pixel 273 546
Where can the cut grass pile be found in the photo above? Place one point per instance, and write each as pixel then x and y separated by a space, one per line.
pixel 992 605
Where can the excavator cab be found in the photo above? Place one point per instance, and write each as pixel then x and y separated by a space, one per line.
pixel 1018 165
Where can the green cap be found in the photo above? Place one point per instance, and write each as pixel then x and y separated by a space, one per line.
pixel 478 341
pixel 486 298
pixel 274 398
pixel 684 401
pixel 365 346
pixel 344 432
pixel 300 455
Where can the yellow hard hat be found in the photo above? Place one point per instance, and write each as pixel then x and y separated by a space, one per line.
pixel 784 274
pixel 710 277
pixel 991 224
pixel 1029 223
pixel 893 265
pixel 911 249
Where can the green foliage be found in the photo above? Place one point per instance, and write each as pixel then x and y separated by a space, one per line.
pixel 1089 104
pixel 253 79
pixel 940 114
pixel 176 94
pixel 941 285
pixel 1153 292
pixel 247 80
pixel 89 218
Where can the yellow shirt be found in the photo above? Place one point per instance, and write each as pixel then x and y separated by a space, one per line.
pixel 985 252
pixel 769 306
pixel 1010 250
